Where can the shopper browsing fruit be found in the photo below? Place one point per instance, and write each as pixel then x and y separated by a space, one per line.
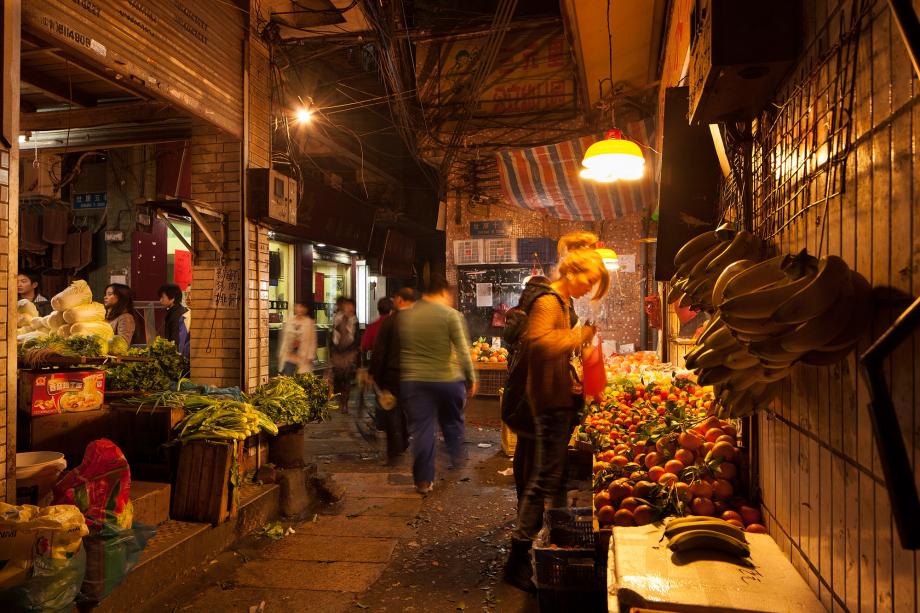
pixel 553 392
pixel 436 377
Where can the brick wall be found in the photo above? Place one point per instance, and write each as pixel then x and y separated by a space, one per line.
pixel 9 231
pixel 619 313
pixel 257 235
pixel 216 332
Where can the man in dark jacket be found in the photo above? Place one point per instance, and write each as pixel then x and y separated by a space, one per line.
pixel 384 372
pixel 176 326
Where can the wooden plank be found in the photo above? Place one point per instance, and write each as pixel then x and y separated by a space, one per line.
pixel 135 112
pixel 825 526
pixel 838 579
pixel 884 573
pixel 852 562
pixel 867 536
pixel 59 90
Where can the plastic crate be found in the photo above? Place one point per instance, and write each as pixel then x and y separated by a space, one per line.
pixel 492 378
pixel 564 552
pixel 544 248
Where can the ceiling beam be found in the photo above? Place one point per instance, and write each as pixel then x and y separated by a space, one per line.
pixel 56 89
pixel 86 66
pixel 135 112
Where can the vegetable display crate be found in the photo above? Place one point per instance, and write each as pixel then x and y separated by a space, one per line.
pixel 565 567
pixel 492 377
pixel 207 482
pixel 254 453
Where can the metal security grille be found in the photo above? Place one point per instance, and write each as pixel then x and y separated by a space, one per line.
pixel 468 252
pixel 501 251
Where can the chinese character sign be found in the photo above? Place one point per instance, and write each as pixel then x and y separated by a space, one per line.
pixel 226 288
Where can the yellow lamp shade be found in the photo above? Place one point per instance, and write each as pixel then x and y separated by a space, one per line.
pixel 612 159
pixel 609 256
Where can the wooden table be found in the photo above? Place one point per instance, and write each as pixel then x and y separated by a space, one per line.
pixel 643 572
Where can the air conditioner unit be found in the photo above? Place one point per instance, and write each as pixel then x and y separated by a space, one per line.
pixel 468 252
pixel 501 251
pixel 740 51
pixel 273 195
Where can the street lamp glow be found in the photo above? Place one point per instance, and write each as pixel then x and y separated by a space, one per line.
pixel 304 115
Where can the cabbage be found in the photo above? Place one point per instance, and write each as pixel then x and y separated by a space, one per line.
pixel 92 311
pixel 26 307
pixel 88 328
pixel 78 293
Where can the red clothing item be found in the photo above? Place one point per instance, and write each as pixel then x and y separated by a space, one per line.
pixel 370 333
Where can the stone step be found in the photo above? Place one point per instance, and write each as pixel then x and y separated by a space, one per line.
pixel 150 501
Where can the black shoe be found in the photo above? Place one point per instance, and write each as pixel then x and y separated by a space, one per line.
pixel 518 569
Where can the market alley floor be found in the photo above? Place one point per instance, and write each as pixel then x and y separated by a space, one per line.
pixel 383 548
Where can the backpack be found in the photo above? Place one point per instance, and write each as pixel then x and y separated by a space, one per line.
pixel 516 411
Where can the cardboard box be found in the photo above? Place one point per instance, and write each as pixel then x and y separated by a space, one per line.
pixel 67 391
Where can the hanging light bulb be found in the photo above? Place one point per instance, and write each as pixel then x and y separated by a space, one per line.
pixel 612 159
pixel 304 115
pixel 609 256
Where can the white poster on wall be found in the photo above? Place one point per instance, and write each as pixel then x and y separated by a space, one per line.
pixel 627 262
pixel 483 294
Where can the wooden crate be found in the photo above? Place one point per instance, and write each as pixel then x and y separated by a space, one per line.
pixel 254 453
pixel 205 488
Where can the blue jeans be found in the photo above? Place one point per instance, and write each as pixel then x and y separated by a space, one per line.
pixel 553 429
pixel 428 404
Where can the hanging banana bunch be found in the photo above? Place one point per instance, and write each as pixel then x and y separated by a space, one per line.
pixel 767 315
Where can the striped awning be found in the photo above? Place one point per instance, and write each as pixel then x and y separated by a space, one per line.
pixel 546 179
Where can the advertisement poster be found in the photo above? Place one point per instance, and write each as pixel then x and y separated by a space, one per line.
pixel 182 269
pixel 67 392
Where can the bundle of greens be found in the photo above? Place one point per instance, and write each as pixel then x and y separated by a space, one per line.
pixel 286 400
pixel 37 350
pixel 222 420
pixel 166 364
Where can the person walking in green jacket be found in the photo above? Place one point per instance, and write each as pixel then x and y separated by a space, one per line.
pixel 436 377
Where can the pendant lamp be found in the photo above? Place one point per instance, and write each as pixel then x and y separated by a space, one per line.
pixel 612 159
pixel 611 261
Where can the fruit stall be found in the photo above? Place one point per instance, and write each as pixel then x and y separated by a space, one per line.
pixel 491 364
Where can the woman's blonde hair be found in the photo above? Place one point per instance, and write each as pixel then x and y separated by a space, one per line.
pixel 577 255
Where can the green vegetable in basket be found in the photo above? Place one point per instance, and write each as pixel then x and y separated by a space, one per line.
pixel 293 400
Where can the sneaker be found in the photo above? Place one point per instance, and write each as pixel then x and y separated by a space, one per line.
pixel 424 488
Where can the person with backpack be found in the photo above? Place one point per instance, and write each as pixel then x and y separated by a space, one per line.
pixel 549 348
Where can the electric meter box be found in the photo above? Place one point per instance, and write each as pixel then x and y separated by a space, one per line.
pixel 273 195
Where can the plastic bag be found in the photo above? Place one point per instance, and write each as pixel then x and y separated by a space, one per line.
pixel 593 372
pixel 100 486
pixel 42 561
pixel 111 553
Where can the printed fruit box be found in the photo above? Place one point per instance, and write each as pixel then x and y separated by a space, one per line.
pixel 67 392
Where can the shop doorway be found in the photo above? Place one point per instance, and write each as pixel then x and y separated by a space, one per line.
pixel 281 296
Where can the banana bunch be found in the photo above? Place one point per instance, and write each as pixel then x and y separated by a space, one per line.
pixel 741 382
pixel 795 308
pixel 772 314
pixel 706 533
pixel 700 262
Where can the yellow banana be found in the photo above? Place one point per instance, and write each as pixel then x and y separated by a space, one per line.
pixel 727 275
pixel 725 232
pixel 771 375
pixel 773 351
pixel 676 291
pixel 753 326
pixel 714 375
pixel 744 378
pixel 831 282
pixel 708 540
pixel 695 246
pixel 818 331
pixel 737 249
pixel 699 269
pixel 707 523
pixel 679 521
pixel 690 264
pixel 762 302
pixel 742 407
pixel 753 278
pixel 740 360
pixel 710 359
pixel 714 324
pixel 721 339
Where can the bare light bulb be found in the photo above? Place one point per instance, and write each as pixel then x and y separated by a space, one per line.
pixel 304 115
